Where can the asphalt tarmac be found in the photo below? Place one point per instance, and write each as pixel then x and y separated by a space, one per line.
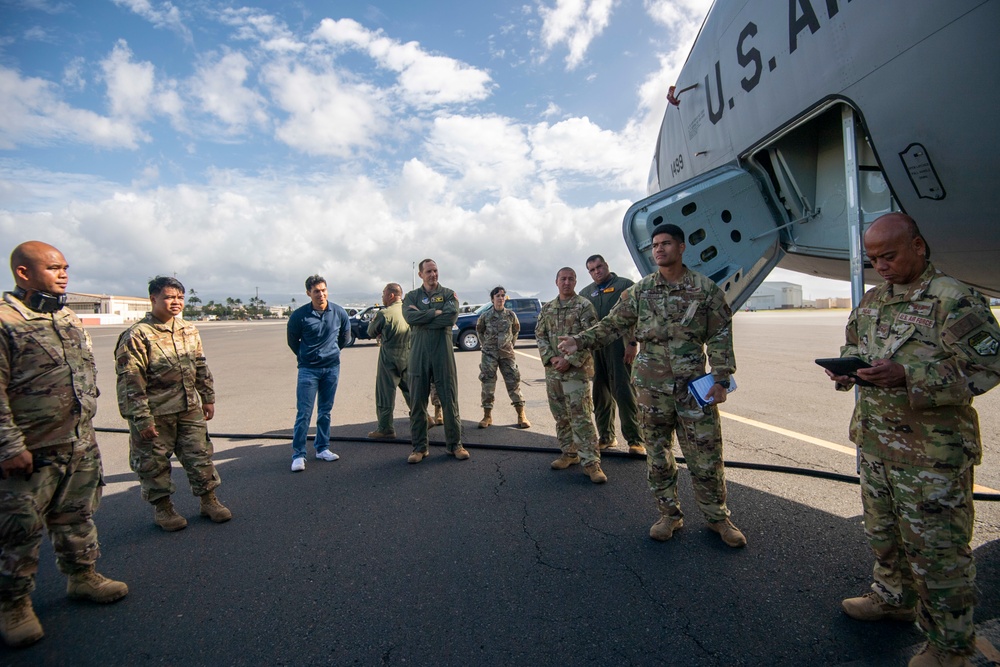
pixel 497 560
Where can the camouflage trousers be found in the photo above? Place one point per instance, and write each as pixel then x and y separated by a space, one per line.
pixel 511 378
pixel 61 497
pixel 700 437
pixel 919 524
pixel 612 385
pixel 184 435
pixel 390 374
pixel 573 408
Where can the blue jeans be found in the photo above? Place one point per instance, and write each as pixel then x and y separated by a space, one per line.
pixel 313 381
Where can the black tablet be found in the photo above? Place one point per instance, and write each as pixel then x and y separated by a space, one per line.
pixel 846 366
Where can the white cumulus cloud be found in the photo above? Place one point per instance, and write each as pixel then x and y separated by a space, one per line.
pixel 326 115
pixel 575 23
pixel 424 79
pixel 220 87
pixel 163 15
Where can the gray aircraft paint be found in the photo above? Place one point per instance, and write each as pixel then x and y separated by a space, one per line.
pixel 750 162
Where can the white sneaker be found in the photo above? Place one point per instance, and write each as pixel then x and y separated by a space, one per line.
pixel 298 464
pixel 326 455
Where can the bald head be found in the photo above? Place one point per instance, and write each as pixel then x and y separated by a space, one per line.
pixel 39 267
pixel 896 249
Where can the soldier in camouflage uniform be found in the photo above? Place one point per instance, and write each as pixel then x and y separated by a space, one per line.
pixel 498 328
pixel 50 464
pixel 933 345
pixel 568 376
pixel 166 393
pixel 431 310
pixel 613 364
pixel 393 335
pixel 678 316
pixel 438 417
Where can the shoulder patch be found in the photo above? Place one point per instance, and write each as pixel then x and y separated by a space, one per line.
pixel 984 344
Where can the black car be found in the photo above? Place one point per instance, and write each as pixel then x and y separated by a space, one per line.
pixel 360 322
pixel 464 335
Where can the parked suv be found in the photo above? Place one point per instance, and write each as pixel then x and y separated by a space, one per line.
pixel 464 335
pixel 360 322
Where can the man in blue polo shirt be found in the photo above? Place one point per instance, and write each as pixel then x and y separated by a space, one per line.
pixel 316 332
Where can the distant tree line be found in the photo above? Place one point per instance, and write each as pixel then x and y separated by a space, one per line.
pixel 231 309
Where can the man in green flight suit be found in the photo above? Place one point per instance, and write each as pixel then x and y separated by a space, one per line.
pixel 933 346
pixel 613 363
pixel 680 317
pixel 393 335
pixel 431 310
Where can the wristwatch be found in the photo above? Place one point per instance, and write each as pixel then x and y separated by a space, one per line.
pixel 724 383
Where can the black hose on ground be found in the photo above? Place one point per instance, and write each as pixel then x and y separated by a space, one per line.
pixel 740 465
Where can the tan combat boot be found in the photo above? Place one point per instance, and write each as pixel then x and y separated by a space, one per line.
pixel 166 517
pixel 381 435
pixel 487 418
pixel 595 473
pixel 565 461
pixel 18 624
pixel 431 423
pixel 663 530
pixel 522 420
pixel 416 457
pixel 460 453
pixel 871 607
pixel 637 448
pixel 89 585
pixel 730 534
pixel 608 444
pixel 932 656
pixel 213 509
pixel 438 415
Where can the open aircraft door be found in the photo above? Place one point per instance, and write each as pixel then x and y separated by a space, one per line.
pixel 731 230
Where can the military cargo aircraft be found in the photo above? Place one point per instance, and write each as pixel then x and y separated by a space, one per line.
pixel 794 124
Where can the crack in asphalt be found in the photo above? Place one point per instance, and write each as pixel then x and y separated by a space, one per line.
pixel 668 610
pixel 539 556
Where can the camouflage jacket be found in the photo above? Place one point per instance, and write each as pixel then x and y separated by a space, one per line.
pixel 498 332
pixel 943 334
pixel 161 370
pixel 47 376
pixel 676 324
pixel 393 332
pixel 559 318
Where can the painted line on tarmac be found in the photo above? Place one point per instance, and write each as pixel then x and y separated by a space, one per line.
pixel 819 442
pixel 791 434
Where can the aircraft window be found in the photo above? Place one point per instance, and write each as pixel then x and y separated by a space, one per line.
pixel 696 237
pixel 728 285
pixel 689 208
pixel 736 278
pixel 709 253
pixel 736 236
pixel 727 216
pixel 657 220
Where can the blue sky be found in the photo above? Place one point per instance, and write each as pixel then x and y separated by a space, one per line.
pixel 243 147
